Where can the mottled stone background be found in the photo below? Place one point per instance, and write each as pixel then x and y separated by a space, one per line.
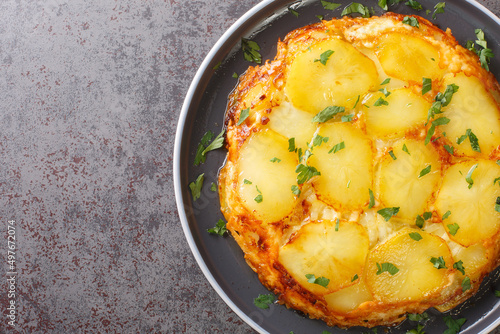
pixel 90 94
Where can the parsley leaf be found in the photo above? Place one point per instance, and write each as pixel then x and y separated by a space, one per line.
pixel 251 51
pixel 459 265
pixel 263 301
pixel 453 325
pixel 337 147
pixel 446 215
pixel 411 21
pixel 372 199
pixel 427 215
pixel 424 171
pixel 235 75
pixel 414 4
pixel 383 4
pixel 219 229
pixel 323 281
pixel 468 178
pixel 497 293
pixel 213 187
pixel 275 160
pixel 327 114
pixel 418 330
pixel 356 7
pixel 497 204
pixel 347 118
pixel 385 82
pixel 291 145
pixel 415 236
pixel 318 140
pixel 453 228
pixel 195 186
pixel 330 5
pixel 391 153
pixel 387 267
pixel 380 102
pixel 355 277
pixel 293 12
pixel 466 284
pixel 438 9
pixel 387 213
pixel 423 317
pixel 474 142
pixel 385 92
pixel 438 262
pixel 405 149
pixel 295 190
pixel 426 85
pixel 216 67
pixel 323 58
pixel 485 54
pixel 259 197
pixel 419 221
pixel 245 181
pixel 496 180
pixel 337 223
pixel 305 173
pixel 243 116
pixel 200 157
pixel 217 143
pixel 449 148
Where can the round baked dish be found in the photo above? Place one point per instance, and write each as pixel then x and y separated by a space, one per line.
pixel 362 178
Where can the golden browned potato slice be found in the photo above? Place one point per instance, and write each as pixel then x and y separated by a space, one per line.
pixel 404 182
pixel 333 250
pixel 404 269
pixel 471 107
pixel 472 215
pixel 265 157
pixel 401 110
pixel 408 58
pixel 349 298
pixel 345 164
pixel 345 74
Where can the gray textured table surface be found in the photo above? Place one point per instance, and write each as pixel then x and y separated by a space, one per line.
pixel 91 94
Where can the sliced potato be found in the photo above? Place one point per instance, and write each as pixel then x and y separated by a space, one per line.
pixel 291 122
pixel 319 249
pixel 400 182
pixel 472 209
pixel 346 175
pixel 349 298
pixel 471 107
pixel 255 165
pixel 347 73
pixel 474 259
pixel 417 278
pixel 408 58
pixel 404 111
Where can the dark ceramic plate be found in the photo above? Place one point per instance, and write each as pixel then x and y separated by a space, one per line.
pixel 220 259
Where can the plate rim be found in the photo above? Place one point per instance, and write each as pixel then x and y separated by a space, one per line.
pixel 178 189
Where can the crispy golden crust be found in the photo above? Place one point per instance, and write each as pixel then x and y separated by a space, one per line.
pixel 261 89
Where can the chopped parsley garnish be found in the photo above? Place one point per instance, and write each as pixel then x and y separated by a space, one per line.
pixel 318 140
pixel 327 114
pixel 459 265
pixel 453 228
pixel 337 223
pixel 453 325
pixel 414 4
pixel 259 197
pixel 235 75
pixel 485 54
pixel 424 171
pixel 380 102
pixel 418 330
pixel 320 17
pixel 415 236
pixel 387 267
pixel 391 153
pixel 438 9
pixel 423 317
pixel 245 181
pixel 251 51
pixel 347 118
pixel 385 91
pixel 427 215
pixel 387 213
pixel 305 173
pixel 446 215
pixel 337 147
pixel 323 58
pixel 196 186
pixel 466 284
pixel 213 187
pixel 385 82
pixel 295 190
pixel 432 129
pixel 200 157
pixel 497 204
pixel 275 160
pixel 438 262
pixel 348 183
pixel 329 5
pixel 497 293
pixel 449 148
pixel 356 7
pixel 442 100
pixel 323 281
pixel 405 149
pixel 291 145
pixel 219 229
pixel 421 219
pixel 217 143
pixel 496 180
pixel 383 4
pixel 474 142
pixel 372 199
pixel 468 178
pixel 263 301
pixel 293 12
pixel 217 65
pixel 243 116
pixel 411 21
pixel 426 85
pixel 357 101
